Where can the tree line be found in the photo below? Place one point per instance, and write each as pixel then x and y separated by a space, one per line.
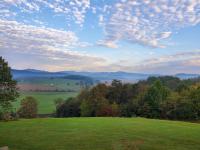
pixel 164 97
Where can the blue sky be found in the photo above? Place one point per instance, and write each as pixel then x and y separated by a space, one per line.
pixel 160 36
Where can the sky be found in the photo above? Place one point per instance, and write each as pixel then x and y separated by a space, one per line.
pixel 144 36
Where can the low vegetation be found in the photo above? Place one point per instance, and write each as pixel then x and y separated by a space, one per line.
pixel 29 108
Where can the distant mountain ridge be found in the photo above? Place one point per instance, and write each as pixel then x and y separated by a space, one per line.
pixel 102 76
pixel 187 76
pixel 27 73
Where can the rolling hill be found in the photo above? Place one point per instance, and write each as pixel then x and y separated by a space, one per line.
pixel 98 76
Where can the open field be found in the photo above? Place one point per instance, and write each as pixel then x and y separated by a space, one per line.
pixel 48 84
pixel 99 134
pixel 45 100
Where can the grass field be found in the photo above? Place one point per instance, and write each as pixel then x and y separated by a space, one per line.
pixel 99 134
pixel 45 100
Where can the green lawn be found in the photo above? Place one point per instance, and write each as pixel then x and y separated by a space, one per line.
pixel 99 134
pixel 45 100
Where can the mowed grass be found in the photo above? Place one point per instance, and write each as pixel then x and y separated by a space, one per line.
pixel 99 134
pixel 45 100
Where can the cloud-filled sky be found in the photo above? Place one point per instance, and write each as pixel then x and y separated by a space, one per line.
pixel 147 36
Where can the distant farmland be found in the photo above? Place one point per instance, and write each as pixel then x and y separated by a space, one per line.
pixel 46 90
pixel 49 84
pixel 45 100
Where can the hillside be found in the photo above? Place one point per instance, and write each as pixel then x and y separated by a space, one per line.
pixel 99 134
pixel 100 76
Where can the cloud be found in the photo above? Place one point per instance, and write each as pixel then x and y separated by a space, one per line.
pixel 73 9
pixel 147 22
pixel 144 22
pixel 26 46
pixel 106 43
pixel 42 47
pixel 185 62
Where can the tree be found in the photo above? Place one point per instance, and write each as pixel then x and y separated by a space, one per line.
pixel 68 108
pixel 115 110
pixel 195 100
pixel 115 92
pixel 58 102
pixel 156 94
pixel 28 108
pixel 8 88
pixel 182 87
pixel 103 108
pixel 86 108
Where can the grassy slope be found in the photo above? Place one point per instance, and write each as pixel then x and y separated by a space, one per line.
pixel 45 100
pixel 99 134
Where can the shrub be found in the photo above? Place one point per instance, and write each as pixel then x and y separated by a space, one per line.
pixel 28 108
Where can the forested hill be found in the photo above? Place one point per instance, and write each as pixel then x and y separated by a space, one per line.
pixel 101 76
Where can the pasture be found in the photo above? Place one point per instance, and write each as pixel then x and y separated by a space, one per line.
pixel 99 134
pixel 48 84
pixel 45 100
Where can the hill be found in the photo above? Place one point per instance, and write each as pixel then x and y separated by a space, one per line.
pixel 30 73
pixel 187 76
pixel 99 134
pixel 100 76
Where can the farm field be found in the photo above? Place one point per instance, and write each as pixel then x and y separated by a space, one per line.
pixel 48 84
pixel 45 100
pixel 99 134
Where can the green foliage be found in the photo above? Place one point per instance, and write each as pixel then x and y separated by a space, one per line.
pixel 158 97
pixel 168 81
pixel 86 109
pixel 29 108
pixel 115 92
pixel 68 108
pixel 156 94
pixel 8 89
pixel 115 110
pixel 58 102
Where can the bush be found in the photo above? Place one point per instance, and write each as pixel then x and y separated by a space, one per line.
pixel 8 115
pixel 5 116
pixel 28 108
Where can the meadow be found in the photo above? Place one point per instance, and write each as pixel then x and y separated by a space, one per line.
pixel 46 90
pixel 45 100
pixel 99 134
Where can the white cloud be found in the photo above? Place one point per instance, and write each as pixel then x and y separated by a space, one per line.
pixel 106 43
pixel 185 62
pixel 44 47
pixel 74 9
pixel 144 22
pixel 149 22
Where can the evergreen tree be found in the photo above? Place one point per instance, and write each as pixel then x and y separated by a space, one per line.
pixel 8 89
